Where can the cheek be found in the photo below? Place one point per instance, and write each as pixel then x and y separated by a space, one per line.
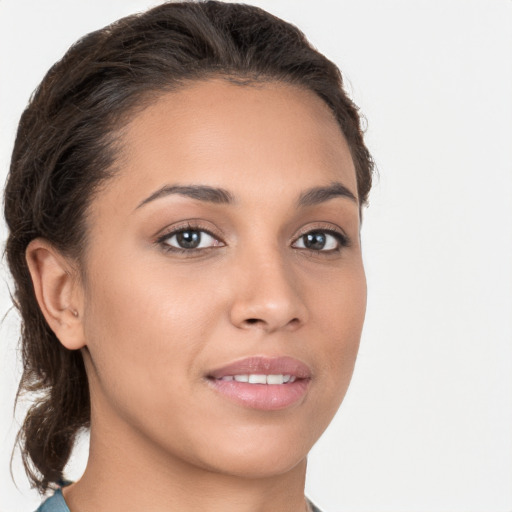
pixel 142 328
pixel 340 308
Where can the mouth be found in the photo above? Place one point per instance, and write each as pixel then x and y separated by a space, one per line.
pixel 262 383
pixel 258 378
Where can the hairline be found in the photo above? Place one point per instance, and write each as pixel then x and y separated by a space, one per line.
pixel 140 102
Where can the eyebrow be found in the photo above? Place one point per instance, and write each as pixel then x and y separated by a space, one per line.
pixel 319 195
pixel 311 197
pixel 200 192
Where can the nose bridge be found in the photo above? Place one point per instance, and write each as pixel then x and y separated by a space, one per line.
pixel 267 293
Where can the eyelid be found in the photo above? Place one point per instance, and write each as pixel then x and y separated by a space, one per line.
pixel 199 225
pixel 192 225
pixel 320 226
pixel 328 228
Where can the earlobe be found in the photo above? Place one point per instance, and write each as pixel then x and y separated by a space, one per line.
pixel 58 292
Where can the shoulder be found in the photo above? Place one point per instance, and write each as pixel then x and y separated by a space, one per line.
pixel 54 503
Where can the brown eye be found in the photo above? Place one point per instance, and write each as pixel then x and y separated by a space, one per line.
pixel 315 241
pixel 190 239
pixel 321 241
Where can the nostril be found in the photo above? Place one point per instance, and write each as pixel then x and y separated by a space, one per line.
pixel 294 322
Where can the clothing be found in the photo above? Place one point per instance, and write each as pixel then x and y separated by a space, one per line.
pixel 56 503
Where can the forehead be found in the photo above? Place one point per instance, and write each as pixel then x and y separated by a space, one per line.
pixel 241 137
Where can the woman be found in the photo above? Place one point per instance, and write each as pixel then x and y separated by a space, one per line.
pixel 184 205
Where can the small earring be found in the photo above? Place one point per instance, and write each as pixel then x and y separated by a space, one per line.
pixel 75 313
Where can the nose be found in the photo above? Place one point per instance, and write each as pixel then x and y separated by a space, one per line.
pixel 267 295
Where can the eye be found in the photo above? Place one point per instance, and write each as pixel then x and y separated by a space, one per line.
pixel 189 239
pixel 324 241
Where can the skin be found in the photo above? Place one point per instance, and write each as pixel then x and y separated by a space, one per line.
pixel 151 323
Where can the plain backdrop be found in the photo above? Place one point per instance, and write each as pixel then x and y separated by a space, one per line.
pixel 427 423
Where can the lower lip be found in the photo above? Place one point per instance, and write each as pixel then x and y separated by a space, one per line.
pixel 266 397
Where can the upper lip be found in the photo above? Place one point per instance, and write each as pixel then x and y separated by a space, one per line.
pixel 263 366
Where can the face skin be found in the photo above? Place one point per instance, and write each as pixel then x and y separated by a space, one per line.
pixel 156 321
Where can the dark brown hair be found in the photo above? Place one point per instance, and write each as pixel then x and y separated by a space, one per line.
pixel 66 147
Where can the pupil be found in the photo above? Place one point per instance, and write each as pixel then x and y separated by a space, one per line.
pixel 189 239
pixel 314 240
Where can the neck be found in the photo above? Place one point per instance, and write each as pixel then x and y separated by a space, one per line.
pixel 126 473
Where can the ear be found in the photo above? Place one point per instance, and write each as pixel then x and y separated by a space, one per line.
pixel 58 291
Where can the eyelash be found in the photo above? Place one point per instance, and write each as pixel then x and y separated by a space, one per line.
pixel 342 240
pixel 162 240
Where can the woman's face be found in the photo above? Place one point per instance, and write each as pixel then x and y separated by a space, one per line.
pixel 226 249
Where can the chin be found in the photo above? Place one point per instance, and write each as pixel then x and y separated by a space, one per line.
pixel 258 453
pixel 253 466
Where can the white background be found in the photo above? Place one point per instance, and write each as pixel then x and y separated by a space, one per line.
pixel 427 423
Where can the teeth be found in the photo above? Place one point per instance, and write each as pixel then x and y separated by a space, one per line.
pixel 275 379
pixel 255 378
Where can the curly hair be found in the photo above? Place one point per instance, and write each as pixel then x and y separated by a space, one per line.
pixel 65 149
